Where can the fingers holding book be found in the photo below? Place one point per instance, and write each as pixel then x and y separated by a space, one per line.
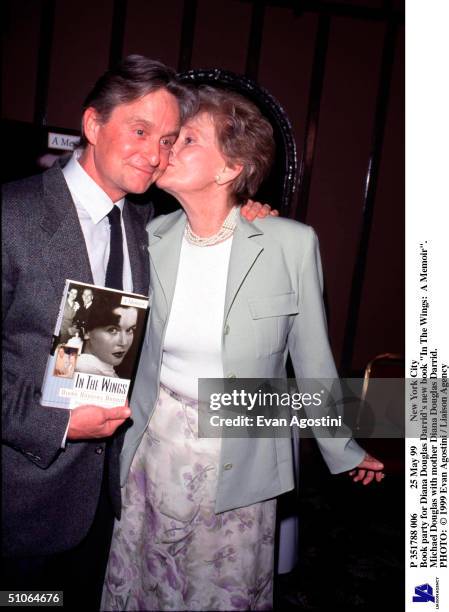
pixel 95 422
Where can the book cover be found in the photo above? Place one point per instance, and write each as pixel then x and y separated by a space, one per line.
pixel 95 347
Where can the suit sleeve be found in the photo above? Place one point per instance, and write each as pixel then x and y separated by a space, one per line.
pixel 311 353
pixel 33 430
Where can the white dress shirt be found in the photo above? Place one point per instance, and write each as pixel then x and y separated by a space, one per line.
pixel 93 205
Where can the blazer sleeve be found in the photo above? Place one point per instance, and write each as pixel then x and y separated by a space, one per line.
pixel 35 431
pixel 311 353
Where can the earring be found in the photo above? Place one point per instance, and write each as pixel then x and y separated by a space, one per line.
pixel 218 179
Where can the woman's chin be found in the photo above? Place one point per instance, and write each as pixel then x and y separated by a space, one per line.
pixel 168 179
pixel 168 187
pixel 163 182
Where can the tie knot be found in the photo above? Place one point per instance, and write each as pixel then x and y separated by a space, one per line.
pixel 114 215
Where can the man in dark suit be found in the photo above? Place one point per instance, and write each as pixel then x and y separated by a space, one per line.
pixel 82 314
pixel 60 468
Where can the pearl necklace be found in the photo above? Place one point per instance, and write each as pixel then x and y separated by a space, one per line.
pixel 225 231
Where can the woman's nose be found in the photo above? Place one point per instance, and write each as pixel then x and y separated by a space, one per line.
pixel 174 149
pixel 121 340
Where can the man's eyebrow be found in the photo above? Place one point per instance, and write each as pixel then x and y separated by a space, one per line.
pixel 137 119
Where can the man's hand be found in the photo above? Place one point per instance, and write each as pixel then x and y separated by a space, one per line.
pixel 368 470
pixel 95 422
pixel 253 210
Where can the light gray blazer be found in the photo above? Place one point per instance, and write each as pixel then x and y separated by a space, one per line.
pixel 273 307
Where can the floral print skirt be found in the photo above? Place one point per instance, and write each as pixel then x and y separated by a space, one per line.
pixel 170 551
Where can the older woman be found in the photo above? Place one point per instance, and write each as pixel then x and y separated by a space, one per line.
pixel 230 299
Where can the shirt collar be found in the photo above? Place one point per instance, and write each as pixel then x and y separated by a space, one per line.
pixel 86 192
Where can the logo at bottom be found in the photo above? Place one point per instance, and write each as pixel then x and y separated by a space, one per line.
pixel 423 593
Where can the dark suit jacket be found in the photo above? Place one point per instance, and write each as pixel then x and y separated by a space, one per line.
pixel 49 494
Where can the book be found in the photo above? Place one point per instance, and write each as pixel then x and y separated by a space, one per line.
pixel 95 347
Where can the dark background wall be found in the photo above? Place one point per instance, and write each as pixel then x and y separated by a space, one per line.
pixel 337 68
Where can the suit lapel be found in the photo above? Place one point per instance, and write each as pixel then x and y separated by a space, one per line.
pixel 65 251
pixel 64 254
pixel 244 253
pixel 137 241
pixel 165 248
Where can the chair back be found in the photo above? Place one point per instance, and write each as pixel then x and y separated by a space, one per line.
pixel 389 450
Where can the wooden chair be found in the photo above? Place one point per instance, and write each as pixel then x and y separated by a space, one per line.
pixel 389 450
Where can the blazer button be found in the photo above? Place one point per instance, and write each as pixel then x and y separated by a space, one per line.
pixel 227 466
pixel 99 450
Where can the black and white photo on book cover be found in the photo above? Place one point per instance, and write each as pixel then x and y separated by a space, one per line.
pixel 95 347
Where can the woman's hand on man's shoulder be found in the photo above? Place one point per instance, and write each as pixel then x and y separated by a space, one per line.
pixel 256 210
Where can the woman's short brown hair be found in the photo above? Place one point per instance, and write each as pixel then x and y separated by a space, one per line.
pixel 244 136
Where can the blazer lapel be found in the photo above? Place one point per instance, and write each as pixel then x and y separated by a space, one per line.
pixel 244 253
pixel 165 248
pixel 65 251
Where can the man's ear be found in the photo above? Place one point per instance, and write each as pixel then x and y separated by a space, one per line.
pixel 91 124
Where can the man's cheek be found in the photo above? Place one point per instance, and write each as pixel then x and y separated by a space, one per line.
pixel 158 173
pixel 163 162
